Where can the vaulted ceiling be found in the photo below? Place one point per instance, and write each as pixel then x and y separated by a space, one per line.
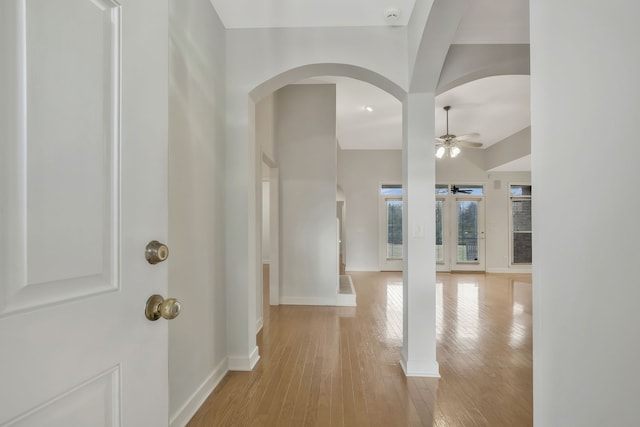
pixel 495 107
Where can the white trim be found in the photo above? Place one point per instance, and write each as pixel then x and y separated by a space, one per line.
pixel 347 300
pixel 361 268
pixel 512 270
pixel 259 324
pixel 244 363
pixel 307 301
pixel 420 368
pixel 191 406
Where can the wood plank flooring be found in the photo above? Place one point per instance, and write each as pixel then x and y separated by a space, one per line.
pixel 339 366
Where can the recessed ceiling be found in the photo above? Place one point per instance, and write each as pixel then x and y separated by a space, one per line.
pixel 522 164
pixel 310 13
pixel 494 22
pixel 495 107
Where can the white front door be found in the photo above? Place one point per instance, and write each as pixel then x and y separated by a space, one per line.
pixel 83 189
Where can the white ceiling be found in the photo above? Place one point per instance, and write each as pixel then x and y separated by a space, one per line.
pixel 309 13
pixel 494 22
pixel 495 107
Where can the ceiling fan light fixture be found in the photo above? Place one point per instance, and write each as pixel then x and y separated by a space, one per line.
pixel 448 143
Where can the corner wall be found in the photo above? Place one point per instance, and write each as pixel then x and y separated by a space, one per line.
pixel 360 173
pixel 197 338
pixel 306 145
pixel 586 323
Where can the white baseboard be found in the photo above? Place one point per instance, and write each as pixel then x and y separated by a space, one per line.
pixel 346 300
pixel 509 270
pixel 361 268
pixel 191 406
pixel 259 324
pixel 244 363
pixel 420 368
pixel 306 301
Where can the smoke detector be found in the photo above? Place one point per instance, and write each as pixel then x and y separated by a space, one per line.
pixel 392 16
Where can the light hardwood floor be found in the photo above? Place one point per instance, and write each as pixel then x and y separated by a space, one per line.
pixel 331 366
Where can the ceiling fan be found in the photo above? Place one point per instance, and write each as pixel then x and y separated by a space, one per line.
pixel 449 144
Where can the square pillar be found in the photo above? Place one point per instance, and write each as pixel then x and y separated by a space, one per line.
pixel 418 356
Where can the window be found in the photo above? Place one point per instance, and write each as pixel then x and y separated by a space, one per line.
pixel 473 190
pixel 521 252
pixel 442 189
pixel 391 190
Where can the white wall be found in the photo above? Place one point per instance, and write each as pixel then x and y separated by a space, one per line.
pixel 360 173
pixel 197 338
pixel 306 138
pixel 585 151
pixel 265 128
pixel 258 63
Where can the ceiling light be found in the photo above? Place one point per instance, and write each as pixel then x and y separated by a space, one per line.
pixel 448 144
pixel 368 108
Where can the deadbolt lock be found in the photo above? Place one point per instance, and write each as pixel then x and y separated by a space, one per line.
pixel 156 252
pixel 158 307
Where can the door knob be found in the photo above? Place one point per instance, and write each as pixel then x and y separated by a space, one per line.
pixel 156 252
pixel 158 307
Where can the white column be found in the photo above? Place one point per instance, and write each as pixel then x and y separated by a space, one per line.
pixel 241 237
pixel 418 181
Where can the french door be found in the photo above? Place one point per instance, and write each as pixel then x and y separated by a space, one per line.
pixel 460 243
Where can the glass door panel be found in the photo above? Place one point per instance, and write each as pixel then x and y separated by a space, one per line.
pixel 439 231
pixel 394 229
pixel 468 233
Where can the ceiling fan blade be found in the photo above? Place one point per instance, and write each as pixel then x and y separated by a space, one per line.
pixel 440 139
pixel 467 136
pixel 470 144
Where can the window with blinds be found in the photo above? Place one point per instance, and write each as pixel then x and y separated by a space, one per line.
pixel 521 252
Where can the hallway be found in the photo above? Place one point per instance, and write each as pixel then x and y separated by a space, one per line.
pixel 339 366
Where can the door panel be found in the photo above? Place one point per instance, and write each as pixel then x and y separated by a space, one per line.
pixel 469 235
pixel 65 164
pixel 467 231
pixel 390 244
pixel 83 129
pixel 459 233
pixel 442 232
